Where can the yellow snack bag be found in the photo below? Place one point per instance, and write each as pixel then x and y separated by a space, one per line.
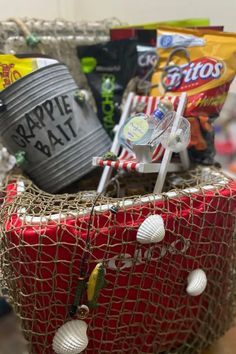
pixel 201 63
pixel 13 68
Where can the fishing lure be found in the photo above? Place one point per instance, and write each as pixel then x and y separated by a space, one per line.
pixel 96 283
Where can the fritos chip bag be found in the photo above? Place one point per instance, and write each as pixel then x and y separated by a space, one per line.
pixel 206 77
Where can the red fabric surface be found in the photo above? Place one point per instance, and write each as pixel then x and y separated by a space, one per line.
pixel 145 304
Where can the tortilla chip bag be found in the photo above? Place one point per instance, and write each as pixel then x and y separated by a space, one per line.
pixel 201 63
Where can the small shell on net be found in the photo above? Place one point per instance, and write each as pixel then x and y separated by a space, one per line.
pixel 71 338
pixel 197 282
pixel 152 230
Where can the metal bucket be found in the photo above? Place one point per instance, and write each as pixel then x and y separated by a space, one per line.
pixel 59 136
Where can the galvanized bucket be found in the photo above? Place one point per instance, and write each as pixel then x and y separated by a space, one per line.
pixel 41 117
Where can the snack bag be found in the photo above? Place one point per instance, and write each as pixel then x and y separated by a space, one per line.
pixel 109 67
pixel 148 36
pixel 204 66
pixel 147 58
pixel 13 67
pixel 143 36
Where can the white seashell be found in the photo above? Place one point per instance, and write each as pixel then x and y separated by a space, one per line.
pixel 152 230
pixel 71 338
pixel 197 282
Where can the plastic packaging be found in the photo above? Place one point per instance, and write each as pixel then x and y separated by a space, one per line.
pixel 148 36
pixel 142 129
pixel 179 140
pixel 14 67
pixel 108 68
pixel 206 76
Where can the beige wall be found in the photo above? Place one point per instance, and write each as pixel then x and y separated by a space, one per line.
pixel 220 12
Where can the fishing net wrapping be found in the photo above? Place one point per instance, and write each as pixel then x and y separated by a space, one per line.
pixel 144 307
pixel 58 39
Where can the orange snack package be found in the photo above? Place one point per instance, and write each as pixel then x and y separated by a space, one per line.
pixel 201 63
